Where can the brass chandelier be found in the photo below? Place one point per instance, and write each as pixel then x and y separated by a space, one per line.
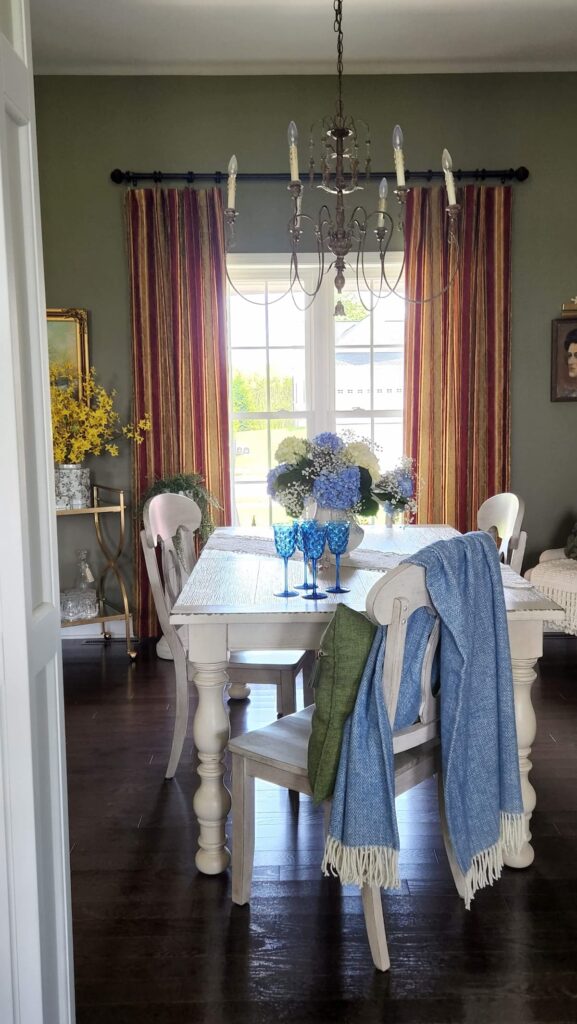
pixel 340 239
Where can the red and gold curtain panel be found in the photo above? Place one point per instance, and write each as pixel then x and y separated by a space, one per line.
pixel 177 276
pixel 458 352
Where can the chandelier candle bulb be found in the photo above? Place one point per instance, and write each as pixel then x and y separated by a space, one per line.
pixel 293 137
pixel 231 193
pixel 398 155
pixel 447 164
pixel 383 192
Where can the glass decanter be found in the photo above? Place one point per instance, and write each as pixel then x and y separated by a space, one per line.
pixel 84 574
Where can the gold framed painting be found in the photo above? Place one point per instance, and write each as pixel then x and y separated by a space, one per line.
pixel 564 360
pixel 68 339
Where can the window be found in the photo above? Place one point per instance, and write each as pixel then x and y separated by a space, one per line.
pixel 300 371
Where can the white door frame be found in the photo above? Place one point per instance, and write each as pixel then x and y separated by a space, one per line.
pixel 35 921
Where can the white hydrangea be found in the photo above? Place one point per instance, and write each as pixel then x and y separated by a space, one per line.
pixel 358 453
pixel 291 449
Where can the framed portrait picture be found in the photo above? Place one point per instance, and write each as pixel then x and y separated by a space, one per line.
pixel 564 360
pixel 68 339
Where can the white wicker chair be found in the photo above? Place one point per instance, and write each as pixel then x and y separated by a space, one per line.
pixel 556 577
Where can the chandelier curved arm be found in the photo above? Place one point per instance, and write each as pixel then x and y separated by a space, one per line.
pixel 453 251
pixel 295 232
pixel 311 296
pixel 384 235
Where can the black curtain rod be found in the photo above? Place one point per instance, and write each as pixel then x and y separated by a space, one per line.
pixel 217 177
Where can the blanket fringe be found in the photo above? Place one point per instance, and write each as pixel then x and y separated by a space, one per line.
pixel 486 866
pixel 362 865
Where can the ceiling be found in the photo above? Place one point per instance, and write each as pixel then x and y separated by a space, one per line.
pixel 246 37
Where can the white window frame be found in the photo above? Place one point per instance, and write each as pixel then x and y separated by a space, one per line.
pixel 320 412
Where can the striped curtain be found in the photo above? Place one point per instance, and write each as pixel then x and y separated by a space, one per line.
pixel 458 352
pixel 177 277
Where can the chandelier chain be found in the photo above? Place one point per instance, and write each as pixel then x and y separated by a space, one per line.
pixel 338 27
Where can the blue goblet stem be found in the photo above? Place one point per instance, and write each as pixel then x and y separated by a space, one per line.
pixel 338 573
pixel 315 595
pixel 285 559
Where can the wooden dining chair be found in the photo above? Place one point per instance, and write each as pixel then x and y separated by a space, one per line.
pixel 170 522
pixel 504 513
pixel 278 752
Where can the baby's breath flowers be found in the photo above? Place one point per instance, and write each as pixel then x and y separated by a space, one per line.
pixel 396 488
pixel 86 424
pixel 337 473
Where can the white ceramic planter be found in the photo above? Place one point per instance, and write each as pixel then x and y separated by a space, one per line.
pixel 72 485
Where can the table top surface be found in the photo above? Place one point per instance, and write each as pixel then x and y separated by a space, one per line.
pixel 237 575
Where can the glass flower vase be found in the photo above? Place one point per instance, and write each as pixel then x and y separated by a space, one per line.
pixel 356 532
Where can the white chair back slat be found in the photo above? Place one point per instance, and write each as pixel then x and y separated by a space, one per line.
pixel 394 654
pixel 505 513
pixel 391 602
pixel 428 711
pixel 165 513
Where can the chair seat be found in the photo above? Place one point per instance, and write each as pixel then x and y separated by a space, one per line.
pixel 268 659
pixel 284 744
pixel 289 735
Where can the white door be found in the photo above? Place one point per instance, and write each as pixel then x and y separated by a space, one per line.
pixel 35 922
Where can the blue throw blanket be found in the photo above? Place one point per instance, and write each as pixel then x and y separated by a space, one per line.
pixel 479 743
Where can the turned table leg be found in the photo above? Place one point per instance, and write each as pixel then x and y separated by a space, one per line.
pixel 211 733
pixel 526 648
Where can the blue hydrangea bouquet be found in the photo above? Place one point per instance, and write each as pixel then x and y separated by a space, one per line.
pixel 336 473
pixel 396 489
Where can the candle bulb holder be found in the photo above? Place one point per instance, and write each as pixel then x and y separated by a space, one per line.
pixel 230 216
pixel 453 212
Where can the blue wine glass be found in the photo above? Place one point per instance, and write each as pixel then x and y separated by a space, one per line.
pixel 285 544
pixel 314 536
pixel 337 540
pixel 305 585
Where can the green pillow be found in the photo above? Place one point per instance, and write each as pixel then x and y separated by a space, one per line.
pixel 571 545
pixel 345 647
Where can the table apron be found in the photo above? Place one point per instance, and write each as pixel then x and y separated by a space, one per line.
pixel 211 643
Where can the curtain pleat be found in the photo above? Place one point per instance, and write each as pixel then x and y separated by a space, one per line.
pixel 458 352
pixel 177 277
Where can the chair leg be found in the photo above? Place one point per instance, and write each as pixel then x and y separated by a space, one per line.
pixel 307 670
pixel 375 924
pixel 181 715
pixel 242 830
pixel 285 693
pixel 456 872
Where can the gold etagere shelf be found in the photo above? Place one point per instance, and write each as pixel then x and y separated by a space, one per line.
pixel 106 500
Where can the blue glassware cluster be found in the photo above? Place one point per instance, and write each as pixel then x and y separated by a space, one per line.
pixel 310 537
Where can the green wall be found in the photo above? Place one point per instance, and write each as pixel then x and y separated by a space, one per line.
pixel 88 126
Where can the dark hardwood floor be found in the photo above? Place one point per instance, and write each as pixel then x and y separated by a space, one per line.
pixel 157 943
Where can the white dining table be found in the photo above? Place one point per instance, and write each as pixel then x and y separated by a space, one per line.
pixel 228 605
